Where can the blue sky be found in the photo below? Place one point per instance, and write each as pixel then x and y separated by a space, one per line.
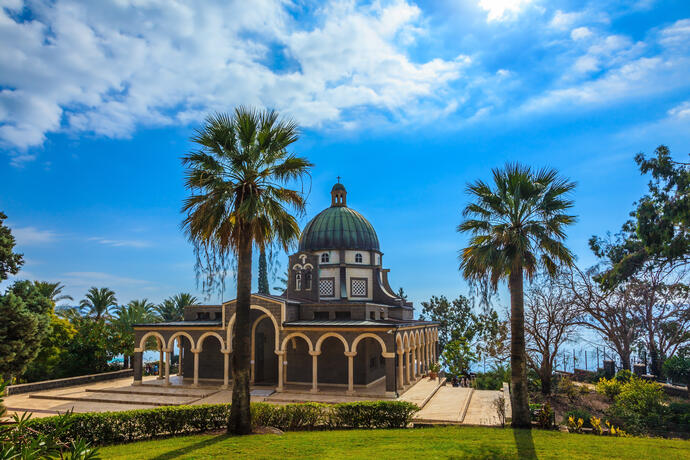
pixel 406 101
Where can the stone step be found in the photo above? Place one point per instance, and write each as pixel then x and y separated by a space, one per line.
pixel 164 391
pixel 129 400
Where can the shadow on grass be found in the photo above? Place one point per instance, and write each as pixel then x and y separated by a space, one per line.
pixel 524 444
pixel 190 448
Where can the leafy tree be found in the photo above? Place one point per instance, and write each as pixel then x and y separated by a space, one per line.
pixel 458 356
pixel 263 273
pixel 135 312
pixel 550 322
pixel 10 262
pixel 52 351
pixel 90 349
pixel 239 198
pixel 456 318
pixel 678 368
pixel 652 253
pixel 402 294
pixel 98 302
pixel 517 225
pixel 20 336
pixel 172 308
pixel 25 322
pixel 52 291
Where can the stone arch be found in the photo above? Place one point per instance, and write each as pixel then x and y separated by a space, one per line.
pixel 231 323
pixel 200 342
pixel 296 334
pixel 406 342
pixel 331 334
pixel 360 337
pixel 171 340
pixel 142 341
pixel 399 343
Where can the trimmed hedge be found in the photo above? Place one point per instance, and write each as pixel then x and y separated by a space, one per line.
pixel 118 427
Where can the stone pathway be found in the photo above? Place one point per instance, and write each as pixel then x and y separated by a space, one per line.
pixel 421 392
pixel 446 406
pixel 481 410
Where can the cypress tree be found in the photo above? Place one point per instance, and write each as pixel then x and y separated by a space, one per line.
pixel 263 273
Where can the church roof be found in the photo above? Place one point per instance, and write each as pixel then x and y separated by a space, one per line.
pixel 339 227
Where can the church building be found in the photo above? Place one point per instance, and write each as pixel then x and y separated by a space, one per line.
pixel 339 326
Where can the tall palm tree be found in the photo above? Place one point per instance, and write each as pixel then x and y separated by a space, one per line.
pixel 172 308
pixel 239 180
pixel 124 319
pixel 517 227
pixel 52 291
pixel 97 302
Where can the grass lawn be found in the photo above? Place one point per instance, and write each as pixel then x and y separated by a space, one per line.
pixel 421 443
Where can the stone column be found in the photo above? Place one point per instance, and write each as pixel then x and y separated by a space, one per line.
pixel 137 365
pixel 281 365
pixel 401 381
pixel 226 368
pixel 196 352
pixel 390 372
pixel 407 365
pixel 179 361
pixel 161 361
pixel 350 371
pixel 314 370
pixel 167 366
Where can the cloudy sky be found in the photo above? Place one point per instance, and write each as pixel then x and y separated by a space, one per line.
pixel 406 101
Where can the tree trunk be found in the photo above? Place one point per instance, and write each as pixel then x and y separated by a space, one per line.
pixel 240 421
pixel 655 365
pixel 545 380
pixel 518 365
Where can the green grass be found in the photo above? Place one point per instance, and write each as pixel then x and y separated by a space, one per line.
pixel 422 443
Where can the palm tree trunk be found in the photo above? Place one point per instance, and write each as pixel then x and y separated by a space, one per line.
pixel 518 366
pixel 240 421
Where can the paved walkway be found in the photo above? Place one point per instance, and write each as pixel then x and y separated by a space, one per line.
pixel 481 410
pixel 446 406
pixel 421 392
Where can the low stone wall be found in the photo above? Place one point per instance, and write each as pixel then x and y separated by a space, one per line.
pixel 69 381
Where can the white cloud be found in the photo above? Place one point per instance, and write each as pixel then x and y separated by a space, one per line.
pixel 87 279
pixel 27 236
pixel 677 35
pixel 121 243
pixel 565 21
pixel 108 67
pixel 580 33
pixel 501 10
pixel 680 111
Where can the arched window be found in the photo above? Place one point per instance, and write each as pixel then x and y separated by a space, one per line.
pixel 307 280
pixel 298 281
pixel 325 258
pixel 358 258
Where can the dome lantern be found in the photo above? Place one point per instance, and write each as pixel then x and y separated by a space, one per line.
pixel 338 194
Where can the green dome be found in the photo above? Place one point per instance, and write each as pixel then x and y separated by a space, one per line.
pixel 338 227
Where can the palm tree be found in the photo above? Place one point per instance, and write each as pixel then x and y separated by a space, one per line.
pixel 52 291
pixel 135 312
pixel 172 308
pixel 517 226
pixel 98 302
pixel 240 197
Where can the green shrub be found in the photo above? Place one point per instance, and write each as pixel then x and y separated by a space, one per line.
pixel 118 427
pixel 610 388
pixel 372 414
pixel 679 417
pixel 291 417
pixel 624 376
pixel 567 388
pixel 578 414
pixel 639 406
pixel 492 380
